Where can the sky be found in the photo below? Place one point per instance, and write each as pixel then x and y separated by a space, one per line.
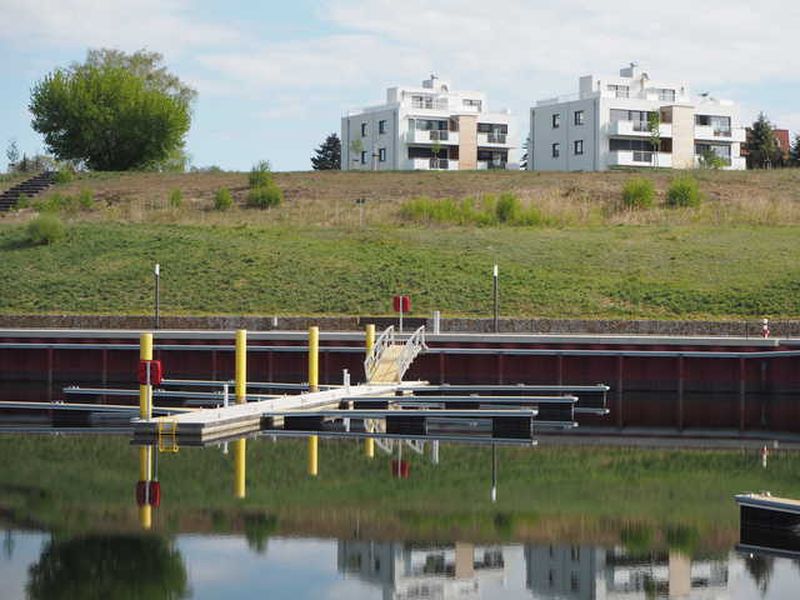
pixel 275 77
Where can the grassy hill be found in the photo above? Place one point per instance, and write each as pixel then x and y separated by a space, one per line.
pixel 735 256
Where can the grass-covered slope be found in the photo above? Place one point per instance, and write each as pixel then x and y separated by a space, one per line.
pixel 627 271
pixel 584 254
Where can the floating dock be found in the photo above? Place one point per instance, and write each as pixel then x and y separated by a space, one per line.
pixel 768 522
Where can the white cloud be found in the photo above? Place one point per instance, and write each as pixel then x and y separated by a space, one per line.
pixel 164 25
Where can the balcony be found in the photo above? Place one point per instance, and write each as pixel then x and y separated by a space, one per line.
pixel 638 129
pixel 430 104
pixel 708 132
pixel 433 164
pixel 638 158
pixel 431 136
pixel 484 165
pixel 492 139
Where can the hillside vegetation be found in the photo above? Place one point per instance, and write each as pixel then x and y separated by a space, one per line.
pixel 735 256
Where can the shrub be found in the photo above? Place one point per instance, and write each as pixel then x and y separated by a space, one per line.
pixel 265 196
pixel 260 175
pixel 63 175
pixel 223 199
pixel 176 198
pixel 684 191
pixel 45 229
pixel 86 199
pixel 508 208
pixel 638 192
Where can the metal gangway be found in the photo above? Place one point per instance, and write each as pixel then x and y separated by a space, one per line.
pixel 390 359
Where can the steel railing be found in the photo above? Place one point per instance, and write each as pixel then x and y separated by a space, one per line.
pixel 412 348
pixel 384 340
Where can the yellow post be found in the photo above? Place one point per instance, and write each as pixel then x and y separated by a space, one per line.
pixel 313 462
pixel 313 386
pixel 369 443
pixel 146 516
pixel 145 458
pixel 145 353
pixel 239 480
pixel 313 359
pixel 145 412
pixel 241 366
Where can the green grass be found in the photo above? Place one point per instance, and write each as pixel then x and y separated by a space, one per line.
pixel 76 484
pixel 628 271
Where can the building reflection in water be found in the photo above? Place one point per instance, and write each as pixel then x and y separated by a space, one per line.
pixel 594 573
pixel 408 571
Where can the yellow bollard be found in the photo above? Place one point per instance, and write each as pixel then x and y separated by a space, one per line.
pixel 369 443
pixel 313 359
pixel 370 339
pixel 239 479
pixel 145 353
pixel 313 456
pixel 146 517
pixel 241 366
pixel 145 474
pixel 145 412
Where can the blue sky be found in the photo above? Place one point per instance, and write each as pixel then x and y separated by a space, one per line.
pixel 275 77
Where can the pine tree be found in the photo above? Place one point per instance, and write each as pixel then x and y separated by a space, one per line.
pixel 795 151
pixel 762 147
pixel 328 157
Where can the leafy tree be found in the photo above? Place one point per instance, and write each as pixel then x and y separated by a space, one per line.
pixel 711 160
pixel 526 146
pixel 328 157
pixel 762 147
pixel 795 151
pixel 653 127
pixel 114 112
pixel 12 154
pixel 109 566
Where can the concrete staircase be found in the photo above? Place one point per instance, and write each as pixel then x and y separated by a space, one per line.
pixel 29 188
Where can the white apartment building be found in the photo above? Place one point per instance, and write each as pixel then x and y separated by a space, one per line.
pixel 427 127
pixel 610 123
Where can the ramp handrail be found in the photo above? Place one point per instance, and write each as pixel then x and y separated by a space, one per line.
pixel 413 346
pixel 384 340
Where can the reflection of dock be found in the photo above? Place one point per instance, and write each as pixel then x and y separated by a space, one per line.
pixel 594 573
pixel 407 570
pixel 769 522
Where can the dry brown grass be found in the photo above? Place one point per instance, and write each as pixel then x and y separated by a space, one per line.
pixel 327 199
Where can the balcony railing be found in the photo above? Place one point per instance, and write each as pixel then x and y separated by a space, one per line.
pixel 439 135
pixel 642 156
pixel 439 163
pixel 722 132
pixel 641 126
pixel 430 104
pixel 496 138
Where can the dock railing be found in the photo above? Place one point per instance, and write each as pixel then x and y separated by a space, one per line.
pixel 384 340
pixel 413 346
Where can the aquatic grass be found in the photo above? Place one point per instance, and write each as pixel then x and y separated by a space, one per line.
pixel 646 497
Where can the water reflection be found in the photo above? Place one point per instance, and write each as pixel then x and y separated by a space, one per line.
pixel 109 566
pixel 238 566
pixel 408 571
pixel 587 572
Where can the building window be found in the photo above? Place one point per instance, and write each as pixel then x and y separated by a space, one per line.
pixel 579 117
pixel 578 146
pixel 363 157
pixel 381 126
pixel 476 104
pixel 363 130
pixel 556 121
pixel 666 95
pixel 556 150
pixel 620 91
pixel 382 154
pixel 574 582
